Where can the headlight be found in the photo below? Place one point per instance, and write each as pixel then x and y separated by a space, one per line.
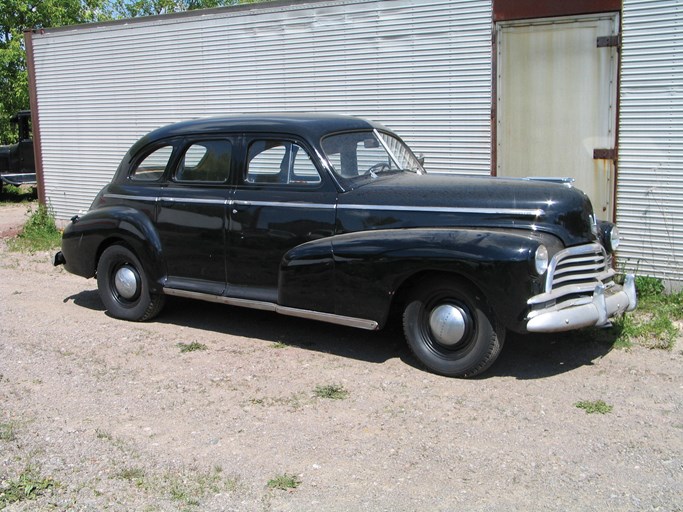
pixel 614 238
pixel 610 236
pixel 541 260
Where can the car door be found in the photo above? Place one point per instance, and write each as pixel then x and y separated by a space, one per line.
pixel 191 215
pixel 282 200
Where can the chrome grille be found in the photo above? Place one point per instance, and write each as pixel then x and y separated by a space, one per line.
pixel 575 272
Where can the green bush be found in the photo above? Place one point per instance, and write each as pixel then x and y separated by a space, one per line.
pixel 40 232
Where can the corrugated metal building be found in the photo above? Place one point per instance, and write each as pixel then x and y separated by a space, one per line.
pixel 509 87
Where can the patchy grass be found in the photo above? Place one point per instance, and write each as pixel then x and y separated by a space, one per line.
pixel 7 431
pixel 192 347
pixel 133 475
pixel 651 325
pixel 191 488
pixel 40 232
pixel 27 486
pixel 279 344
pixel 594 407
pixel 284 482
pixel 12 194
pixel 331 391
pixel 294 401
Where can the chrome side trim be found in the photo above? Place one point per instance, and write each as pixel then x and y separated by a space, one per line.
pixel 193 200
pixel 359 323
pixel 281 204
pixel 445 209
pixel 129 197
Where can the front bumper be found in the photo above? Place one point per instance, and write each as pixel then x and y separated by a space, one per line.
pixel 596 311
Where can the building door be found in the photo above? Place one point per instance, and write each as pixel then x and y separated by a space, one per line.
pixel 556 112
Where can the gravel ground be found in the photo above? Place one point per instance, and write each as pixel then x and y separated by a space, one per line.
pixel 114 416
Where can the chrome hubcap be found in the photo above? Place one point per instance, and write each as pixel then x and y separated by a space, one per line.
pixel 126 282
pixel 448 324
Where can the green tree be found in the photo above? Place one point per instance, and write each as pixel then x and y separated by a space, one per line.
pixel 17 15
pixel 135 8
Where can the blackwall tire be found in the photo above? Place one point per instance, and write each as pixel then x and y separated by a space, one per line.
pixel 123 286
pixel 451 329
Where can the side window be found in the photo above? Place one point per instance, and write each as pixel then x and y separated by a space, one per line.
pixel 206 161
pixel 153 165
pixel 274 161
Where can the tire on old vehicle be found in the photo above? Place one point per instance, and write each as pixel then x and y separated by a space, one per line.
pixel 451 329
pixel 123 286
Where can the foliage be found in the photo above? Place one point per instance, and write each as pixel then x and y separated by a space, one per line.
pixel 652 324
pixel 191 347
pixel 649 287
pixel 135 8
pixel 595 406
pixel 17 16
pixel 284 482
pixel 331 391
pixel 7 432
pixel 28 486
pixel 40 232
pixel 14 194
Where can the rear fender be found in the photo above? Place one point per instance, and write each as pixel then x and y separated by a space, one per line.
pixel 86 237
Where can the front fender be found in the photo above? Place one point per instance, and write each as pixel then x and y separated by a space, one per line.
pixel 371 266
pixel 87 236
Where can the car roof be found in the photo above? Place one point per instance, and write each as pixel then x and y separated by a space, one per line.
pixel 311 126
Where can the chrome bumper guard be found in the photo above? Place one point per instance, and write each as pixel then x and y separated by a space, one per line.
pixel 605 303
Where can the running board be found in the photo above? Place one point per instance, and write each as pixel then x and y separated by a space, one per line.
pixel 348 321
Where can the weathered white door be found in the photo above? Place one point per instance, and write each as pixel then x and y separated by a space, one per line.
pixel 556 102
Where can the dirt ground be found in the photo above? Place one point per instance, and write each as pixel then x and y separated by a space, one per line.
pixel 112 415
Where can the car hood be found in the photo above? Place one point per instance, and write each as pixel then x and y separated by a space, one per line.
pixel 410 200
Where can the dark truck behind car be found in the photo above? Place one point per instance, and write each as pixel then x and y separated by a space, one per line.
pixel 17 161
pixel 334 218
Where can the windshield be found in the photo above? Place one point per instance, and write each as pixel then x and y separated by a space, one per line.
pixel 368 153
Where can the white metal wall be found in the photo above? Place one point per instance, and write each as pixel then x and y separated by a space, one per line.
pixel 422 67
pixel 650 185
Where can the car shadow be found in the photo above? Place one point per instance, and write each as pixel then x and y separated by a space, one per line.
pixel 89 299
pixel 524 357
pixel 536 356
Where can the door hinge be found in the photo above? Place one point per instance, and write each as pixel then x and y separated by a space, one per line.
pixel 604 154
pixel 609 41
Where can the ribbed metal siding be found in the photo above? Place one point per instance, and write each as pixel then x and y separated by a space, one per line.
pixel 650 186
pixel 422 67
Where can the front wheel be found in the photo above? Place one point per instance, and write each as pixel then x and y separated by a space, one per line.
pixel 451 329
pixel 123 286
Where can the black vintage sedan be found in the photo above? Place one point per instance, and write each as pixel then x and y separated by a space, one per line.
pixel 334 218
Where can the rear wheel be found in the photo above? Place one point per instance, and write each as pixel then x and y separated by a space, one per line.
pixel 123 286
pixel 451 329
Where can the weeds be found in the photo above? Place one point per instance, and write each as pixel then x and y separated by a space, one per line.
pixel 40 232
pixel 28 486
pixel 14 194
pixel 284 482
pixel 595 406
pixel 7 432
pixel 192 347
pixel 192 488
pixel 331 391
pixel 651 325
pixel 134 475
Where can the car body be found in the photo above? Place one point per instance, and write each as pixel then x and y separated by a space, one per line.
pixel 334 218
